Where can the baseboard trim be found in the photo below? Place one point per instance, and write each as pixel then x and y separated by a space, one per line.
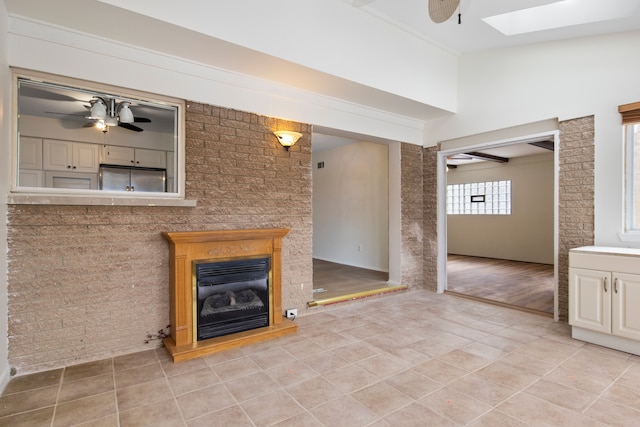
pixel 357 295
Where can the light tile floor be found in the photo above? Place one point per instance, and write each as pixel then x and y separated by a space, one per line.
pixel 407 359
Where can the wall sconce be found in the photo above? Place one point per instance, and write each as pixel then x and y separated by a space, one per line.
pixel 287 138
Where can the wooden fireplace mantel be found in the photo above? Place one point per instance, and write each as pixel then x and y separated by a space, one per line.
pixel 187 247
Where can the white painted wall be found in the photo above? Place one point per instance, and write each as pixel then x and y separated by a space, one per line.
pixel 565 79
pixel 41 47
pixel 526 234
pixel 5 173
pixel 358 47
pixel 351 205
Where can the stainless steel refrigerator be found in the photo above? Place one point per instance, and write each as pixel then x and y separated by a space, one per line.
pixel 123 178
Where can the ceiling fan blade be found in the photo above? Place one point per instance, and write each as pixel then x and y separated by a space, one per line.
pixel 40 93
pixel 141 120
pixel 65 114
pixel 129 126
pixel 441 10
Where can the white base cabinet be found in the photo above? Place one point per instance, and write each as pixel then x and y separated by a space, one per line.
pixel 31 178
pixel 604 296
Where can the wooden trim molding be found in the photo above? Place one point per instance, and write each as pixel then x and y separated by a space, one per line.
pixel 190 246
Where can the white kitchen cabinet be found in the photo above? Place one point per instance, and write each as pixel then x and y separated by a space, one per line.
pixel 127 156
pixel 590 296
pixel 30 153
pixel 116 155
pixel 74 180
pixel 69 156
pixel 604 296
pixel 30 178
pixel 151 158
pixel 626 306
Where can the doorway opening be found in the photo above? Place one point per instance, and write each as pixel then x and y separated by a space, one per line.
pixel 500 247
pixel 355 223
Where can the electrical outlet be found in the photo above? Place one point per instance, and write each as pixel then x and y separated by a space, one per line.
pixel 292 313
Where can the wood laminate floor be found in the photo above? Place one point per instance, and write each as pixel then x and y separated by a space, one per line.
pixel 513 283
pixel 519 284
pixel 331 280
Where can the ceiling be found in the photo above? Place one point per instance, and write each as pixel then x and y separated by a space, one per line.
pixel 502 154
pixel 474 34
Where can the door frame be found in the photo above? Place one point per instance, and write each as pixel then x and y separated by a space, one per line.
pixel 443 153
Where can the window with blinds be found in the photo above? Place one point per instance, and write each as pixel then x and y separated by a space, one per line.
pixel 631 121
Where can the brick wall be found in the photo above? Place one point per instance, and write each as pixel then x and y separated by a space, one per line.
pixel 576 198
pixel 88 282
pixel 412 219
pixel 430 212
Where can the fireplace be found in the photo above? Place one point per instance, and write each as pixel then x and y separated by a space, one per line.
pixel 232 296
pixel 225 290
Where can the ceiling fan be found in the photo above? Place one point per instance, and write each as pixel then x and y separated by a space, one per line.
pixel 39 98
pixel 441 10
pixel 109 112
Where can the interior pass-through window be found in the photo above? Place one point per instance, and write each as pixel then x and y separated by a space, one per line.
pixel 82 138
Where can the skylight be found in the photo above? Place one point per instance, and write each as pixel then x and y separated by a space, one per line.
pixel 561 14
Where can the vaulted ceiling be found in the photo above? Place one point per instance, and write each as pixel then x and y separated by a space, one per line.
pixel 344 49
pixel 561 19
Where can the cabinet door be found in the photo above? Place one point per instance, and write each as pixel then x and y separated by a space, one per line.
pixel 57 155
pixel 626 306
pixel 30 153
pixel 114 155
pixel 590 299
pixel 85 158
pixel 30 178
pixel 151 158
pixel 75 180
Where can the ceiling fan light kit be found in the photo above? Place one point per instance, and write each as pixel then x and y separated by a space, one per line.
pixel 125 114
pixel 98 109
pixel 108 112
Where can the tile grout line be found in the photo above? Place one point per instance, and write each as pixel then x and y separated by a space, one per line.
pixel 238 404
pixel 601 395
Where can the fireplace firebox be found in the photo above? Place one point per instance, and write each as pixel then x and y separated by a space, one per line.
pixel 232 296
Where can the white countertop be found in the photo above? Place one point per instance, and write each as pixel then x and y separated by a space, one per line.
pixel 607 250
